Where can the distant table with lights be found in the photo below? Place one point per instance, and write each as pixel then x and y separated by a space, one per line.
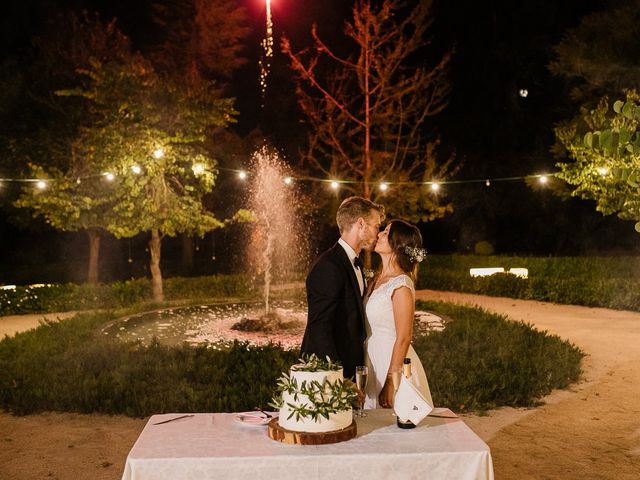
pixel 218 446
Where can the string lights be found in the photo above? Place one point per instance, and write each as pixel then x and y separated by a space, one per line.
pixel 383 186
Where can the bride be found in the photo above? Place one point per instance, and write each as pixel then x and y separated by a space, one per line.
pixel 389 314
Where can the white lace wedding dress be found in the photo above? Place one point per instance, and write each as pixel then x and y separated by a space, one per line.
pixel 381 335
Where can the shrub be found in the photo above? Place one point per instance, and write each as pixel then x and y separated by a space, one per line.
pixel 591 281
pixel 483 248
pixel 68 366
pixel 482 360
pixel 479 361
pixel 69 296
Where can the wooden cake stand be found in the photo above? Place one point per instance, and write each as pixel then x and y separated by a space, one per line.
pixel 276 432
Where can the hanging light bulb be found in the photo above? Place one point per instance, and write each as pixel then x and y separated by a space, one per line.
pixel 41 184
pixel 288 180
pixel 136 169
pixel 158 153
pixel 603 171
pixel 384 186
pixel 543 179
pixel 334 185
pixel 198 168
pixel 109 176
pixel 435 186
pixel 242 175
pixel 487 182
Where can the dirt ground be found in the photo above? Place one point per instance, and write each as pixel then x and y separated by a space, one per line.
pixel 591 431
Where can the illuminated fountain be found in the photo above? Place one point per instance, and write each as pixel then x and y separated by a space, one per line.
pixel 276 245
pixel 276 248
pixel 267 53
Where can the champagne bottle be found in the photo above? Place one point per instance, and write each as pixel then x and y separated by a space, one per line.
pixel 406 371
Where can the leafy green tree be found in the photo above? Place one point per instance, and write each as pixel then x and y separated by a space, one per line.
pixel 604 151
pixel 143 143
pixel 199 39
pixel 368 113
pixel 43 143
pixel 160 127
pixel 600 60
pixel 133 156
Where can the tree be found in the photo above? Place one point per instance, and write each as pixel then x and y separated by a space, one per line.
pixel 605 152
pixel 601 55
pixel 144 113
pixel 368 113
pixel 201 38
pixel 44 142
pixel 145 134
pixel 599 58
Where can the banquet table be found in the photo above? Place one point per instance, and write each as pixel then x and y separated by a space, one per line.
pixel 219 446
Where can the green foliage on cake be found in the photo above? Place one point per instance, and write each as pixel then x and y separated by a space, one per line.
pixel 313 399
pixel 313 363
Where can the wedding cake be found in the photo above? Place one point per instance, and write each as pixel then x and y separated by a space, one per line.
pixel 314 398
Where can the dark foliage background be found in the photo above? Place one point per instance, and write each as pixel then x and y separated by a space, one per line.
pixel 499 48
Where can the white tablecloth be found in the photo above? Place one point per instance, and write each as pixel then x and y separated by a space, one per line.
pixel 218 446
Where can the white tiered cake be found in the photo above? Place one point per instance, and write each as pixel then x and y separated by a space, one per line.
pixel 324 383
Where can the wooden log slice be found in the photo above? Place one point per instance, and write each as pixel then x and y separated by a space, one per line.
pixel 276 432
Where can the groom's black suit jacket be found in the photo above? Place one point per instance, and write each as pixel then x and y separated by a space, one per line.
pixel 335 325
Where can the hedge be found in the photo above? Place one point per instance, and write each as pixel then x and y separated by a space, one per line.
pixel 612 282
pixel 479 361
pixel 70 296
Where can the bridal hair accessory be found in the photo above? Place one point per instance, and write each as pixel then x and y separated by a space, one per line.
pixel 416 254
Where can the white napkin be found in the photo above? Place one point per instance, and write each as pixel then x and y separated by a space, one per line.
pixel 254 418
pixel 409 403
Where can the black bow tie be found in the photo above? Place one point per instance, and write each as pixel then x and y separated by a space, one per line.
pixel 358 263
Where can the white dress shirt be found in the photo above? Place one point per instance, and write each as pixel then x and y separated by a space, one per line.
pixel 352 256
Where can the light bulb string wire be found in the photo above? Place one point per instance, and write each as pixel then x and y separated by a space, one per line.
pixel 244 173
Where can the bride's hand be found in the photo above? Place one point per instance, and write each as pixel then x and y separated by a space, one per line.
pixel 361 395
pixel 385 399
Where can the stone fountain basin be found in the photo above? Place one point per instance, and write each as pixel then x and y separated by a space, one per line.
pixel 213 325
pixel 210 325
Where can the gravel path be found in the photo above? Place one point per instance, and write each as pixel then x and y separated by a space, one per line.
pixel 12 324
pixel 589 432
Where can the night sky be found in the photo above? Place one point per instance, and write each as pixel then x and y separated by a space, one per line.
pixel 500 47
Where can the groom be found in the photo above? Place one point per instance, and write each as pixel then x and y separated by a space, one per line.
pixel 336 284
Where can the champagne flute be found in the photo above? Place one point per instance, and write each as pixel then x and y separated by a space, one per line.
pixel 362 373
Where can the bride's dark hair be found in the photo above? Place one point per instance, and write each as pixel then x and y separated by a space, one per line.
pixel 402 235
